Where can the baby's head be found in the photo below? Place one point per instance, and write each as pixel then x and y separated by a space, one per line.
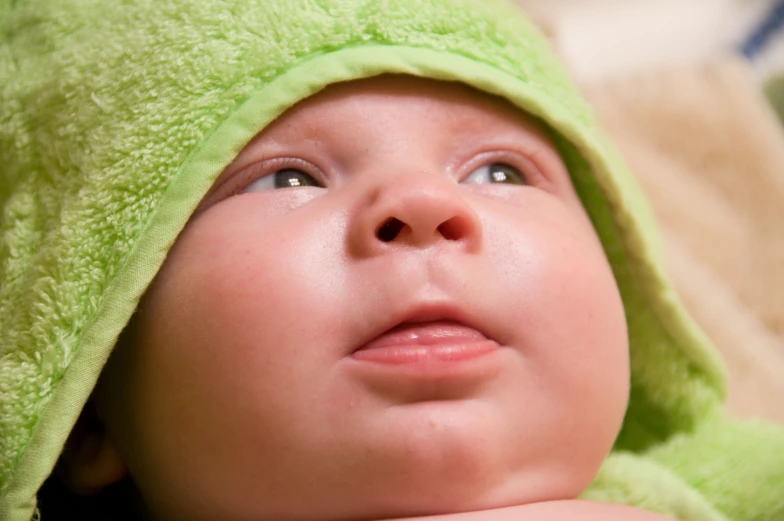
pixel 391 303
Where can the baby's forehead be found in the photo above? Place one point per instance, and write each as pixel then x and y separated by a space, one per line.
pixel 454 111
pixel 463 102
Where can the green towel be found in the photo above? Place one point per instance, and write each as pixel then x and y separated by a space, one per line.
pixel 116 117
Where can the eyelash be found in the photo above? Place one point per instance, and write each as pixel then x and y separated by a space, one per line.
pixel 243 178
pixel 526 164
pixel 238 182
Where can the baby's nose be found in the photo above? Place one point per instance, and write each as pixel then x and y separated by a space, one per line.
pixel 417 211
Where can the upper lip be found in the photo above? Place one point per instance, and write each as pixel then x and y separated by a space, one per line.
pixel 422 314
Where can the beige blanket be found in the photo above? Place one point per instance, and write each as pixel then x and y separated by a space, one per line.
pixel 709 151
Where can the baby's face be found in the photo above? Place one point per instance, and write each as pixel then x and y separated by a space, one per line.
pixel 421 320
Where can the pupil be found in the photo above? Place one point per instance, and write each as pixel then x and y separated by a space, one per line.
pixel 291 179
pixel 500 173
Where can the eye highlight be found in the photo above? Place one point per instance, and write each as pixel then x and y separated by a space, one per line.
pixel 496 173
pixel 286 178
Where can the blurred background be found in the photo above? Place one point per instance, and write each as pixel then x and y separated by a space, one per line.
pixel 692 92
pixel 605 38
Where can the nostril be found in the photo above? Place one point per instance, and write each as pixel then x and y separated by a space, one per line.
pixel 388 231
pixel 452 229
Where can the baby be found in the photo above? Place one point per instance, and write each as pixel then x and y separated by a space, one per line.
pixel 387 297
pixel 378 309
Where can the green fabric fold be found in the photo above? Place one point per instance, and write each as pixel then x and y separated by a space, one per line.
pixel 116 117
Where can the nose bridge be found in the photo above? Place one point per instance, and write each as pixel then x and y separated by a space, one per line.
pixel 415 207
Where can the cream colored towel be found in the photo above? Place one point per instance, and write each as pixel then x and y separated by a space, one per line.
pixel 709 151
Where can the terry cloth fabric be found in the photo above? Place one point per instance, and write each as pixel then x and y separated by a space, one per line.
pixel 116 117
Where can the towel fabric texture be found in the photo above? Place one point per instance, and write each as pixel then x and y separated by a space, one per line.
pixel 116 117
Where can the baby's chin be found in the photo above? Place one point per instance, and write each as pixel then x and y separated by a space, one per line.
pixel 446 482
pixel 429 494
pixel 435 458
pixel 462 484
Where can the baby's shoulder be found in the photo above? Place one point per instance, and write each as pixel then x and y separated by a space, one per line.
pixel 553 511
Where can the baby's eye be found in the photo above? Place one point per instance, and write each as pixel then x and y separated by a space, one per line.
pixel 286 178
pixel 495 173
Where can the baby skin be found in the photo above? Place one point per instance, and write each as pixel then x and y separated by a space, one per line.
pixel 392 304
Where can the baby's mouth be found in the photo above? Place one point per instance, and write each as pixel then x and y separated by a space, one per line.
pixel 411 343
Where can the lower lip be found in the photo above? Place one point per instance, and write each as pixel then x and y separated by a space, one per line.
pixel 414 354
pixel 427 344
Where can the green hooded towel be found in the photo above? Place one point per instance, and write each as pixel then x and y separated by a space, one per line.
pixel 116 117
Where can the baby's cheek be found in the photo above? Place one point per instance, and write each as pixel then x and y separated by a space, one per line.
pixel 552 268
pixel 221 325
pixel 579 313
pixel 255 279
pixel 565 313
